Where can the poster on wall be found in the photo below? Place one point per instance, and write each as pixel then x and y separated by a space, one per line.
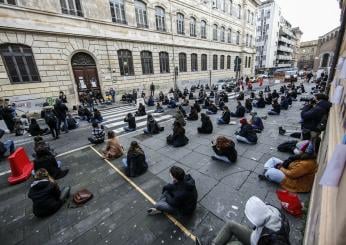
pixel 93 82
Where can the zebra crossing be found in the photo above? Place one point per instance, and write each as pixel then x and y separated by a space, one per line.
pixel 114 118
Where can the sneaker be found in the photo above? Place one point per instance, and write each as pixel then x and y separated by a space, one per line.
pixel 153 211
pixel 281 131
pixel 214 158
pixel 261 177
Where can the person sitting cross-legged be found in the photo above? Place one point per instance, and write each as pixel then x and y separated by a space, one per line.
pixel 131 120
pixel 240 111
pixel 276 109
pixel 207 125
pixel 248 105
pixel 113 148
pixel 246 134
pixel 193 116
pixel 141 110
pixel 260 102
pixel 178 138
pixel 179 117
pixel 179 197
pixel 224 150
pixel 256 123
pixel 153 126
pixel 159 108
pixel 35 129
pixel 98 134
pixel 172 104
pixel 226 116
pixel 135 163
pixel 197 107
pixel 212 109
pixel 97 117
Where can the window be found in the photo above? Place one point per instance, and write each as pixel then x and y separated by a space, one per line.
pixel 249 62
pixel 147 62
pixel 13 2
pixel 214 62
pixel 180 24
pixel 194 62
pixel 118 11
pixel 221 5
pixel 248 16
pixel 193 27
pixel 238 37
pixel 160 19
pixel 222 34
pixel 71 7
pixel 245 61
pixel 229 36
pixel 20 63
pixel 164 62
pixel 203 29
pixel 222 62
pixel 228 62
pixel 141 14
pixel 247 40
pixel 215 32
pixel 250 41
pixel 125 62
pixel 230 7
pixel 182 62
pixel 204 62
pixel 252 18
pixel 239 11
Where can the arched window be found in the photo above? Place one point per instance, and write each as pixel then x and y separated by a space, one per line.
pixel 182 62
pixel 222 62
pixel 215 32
pixel 160 19
pixel 71 7
pixel 229 36
pixel 248 16
pixel 194 62
pixel 125 62
pixel 325 60
pixel 222 34
pixel 13 2
pixel 214 62
pixel 147 62
pixel 180 24
pixel 230 7
pixel 238 38
pixel 203 29
pixel 193 27
pixel 164 62
pixel 228 62
pixel 252 18
pixel 118 11
pixel 20 63
pixel 239 11
pixel 204 62
pixel 141 14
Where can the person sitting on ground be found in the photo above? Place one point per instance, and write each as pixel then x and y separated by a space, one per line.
pixel 39 143
pixel 212 110
pixel 224 150
pixel 46 195
pixel 84 113
pixel 159 108
pixel 35 129
pixel 276 109
pixel 153 126
pixel 151 101
pixel 240 111
pixel 284 103
pixel 45 159
pixel 226 116
pixel 246 134
pixel 191 97
pixel 179 117
pixel 185 102
pixel 197 107
pixel 207 125
pixel 221 104
pixel 131 121
pixel 240 96
pixel 179 197
pixel 113 149
pixel 212 94
pixel 7 147
pixel 295 175
pixel 25 122
pixel 135 162
pixel 271 226
pixel 256 123
pixel 206 104
pixel 178 138
pixel 165 100
pixel 98 134
pixel 72 123
pixel 269 99
pixel 18 127
pixel 141 110
pixel 97 117
pixel 248 105
pixel 260 102
pixel 193 116
pixel 181 109
pixel 172 104
pixel 275 95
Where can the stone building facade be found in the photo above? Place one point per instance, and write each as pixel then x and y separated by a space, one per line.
pixel 306 55
pixel 81 45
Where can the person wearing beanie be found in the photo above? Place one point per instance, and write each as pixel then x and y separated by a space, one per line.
pixel 247 133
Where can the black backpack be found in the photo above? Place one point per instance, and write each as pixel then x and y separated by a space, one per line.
pixel 50 118
pixel 287 146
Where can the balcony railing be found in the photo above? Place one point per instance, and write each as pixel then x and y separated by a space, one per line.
pixel 284 65
pixel 285 49
pixel 286 40
pixel 284 57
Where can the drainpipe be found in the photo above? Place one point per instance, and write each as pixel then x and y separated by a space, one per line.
pixel 173 48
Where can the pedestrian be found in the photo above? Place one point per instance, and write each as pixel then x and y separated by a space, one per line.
pixel 135 162
pixel 62 97
pixel 98 134
pixel 52 121
pixel 60 110
pixel 112 93
pixel 113 148
pixel 152 89
pixel 179 197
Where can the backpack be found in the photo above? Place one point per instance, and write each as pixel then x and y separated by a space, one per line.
pixel 287 146
pixel 50 118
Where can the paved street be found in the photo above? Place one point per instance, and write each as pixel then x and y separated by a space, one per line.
pixel 117 213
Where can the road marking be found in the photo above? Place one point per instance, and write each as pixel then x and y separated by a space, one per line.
pixel 74 150
pixel 5 172
pixel 187 232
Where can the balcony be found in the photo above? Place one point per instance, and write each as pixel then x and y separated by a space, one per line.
pixel 286 40
pixel 286 31
pixel 285 49
pixel 284 65
pixel 284 57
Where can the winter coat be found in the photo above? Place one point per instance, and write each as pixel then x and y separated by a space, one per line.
pixel 312 116
pixel 197 107
pixel 248 132
pixel 257 123
pixel 34 129
pixel 136 163
pixel 284 104
pixel 153 127
pixel 226 117
pixel 229 152
pixel 182 195
pixel 193 116
pixel 180 118
pixel 240 112
pixel 50 119
pixel 276 108
pixel 45 196
pixel 212 108
pixel 113 149
pixel 299 175
pixel 49 163
pixel 207 126
pixel 178 138
pixel 60 110
pixel 271 226
pixel 261 103
pixel 131 122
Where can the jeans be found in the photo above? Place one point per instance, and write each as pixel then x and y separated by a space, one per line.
pixel 211 112
pixel 244 140
pixel 125 162
pixel 127 129
pixel 163 206
pixel 220 121
pixel 273 174
pixel 273 113
pixel 222 158
pixel 230 229
pixel 64 121
pixel 54 131
pixel 146 131
pixel 9 145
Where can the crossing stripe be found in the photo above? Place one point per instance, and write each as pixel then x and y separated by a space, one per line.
pixel 120 113
pixel 118 109
pixel 116 120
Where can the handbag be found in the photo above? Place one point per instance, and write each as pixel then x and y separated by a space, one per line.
pixel 82 196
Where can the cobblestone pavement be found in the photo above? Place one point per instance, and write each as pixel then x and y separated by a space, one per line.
pixel 116 214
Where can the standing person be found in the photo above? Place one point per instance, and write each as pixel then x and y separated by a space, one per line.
pixel 113 149
pixel 51 121
pixel 62 97
pixel 7 147
pixel 135 163
pixel 90 100
pixel 60 110
pixel 112 93
pixel 179 197
pixel 152 89
pixel 134 95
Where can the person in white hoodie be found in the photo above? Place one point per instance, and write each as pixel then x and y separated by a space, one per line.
pixel 270 227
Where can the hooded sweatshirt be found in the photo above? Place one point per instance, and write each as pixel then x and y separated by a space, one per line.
pixel 261 215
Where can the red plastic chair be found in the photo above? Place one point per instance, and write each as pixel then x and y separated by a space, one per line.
pixel 21 167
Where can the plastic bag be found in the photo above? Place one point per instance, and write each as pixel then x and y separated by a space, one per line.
pixel 290 202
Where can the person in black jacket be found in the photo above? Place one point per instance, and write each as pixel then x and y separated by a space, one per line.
pixel 226 116
pixel 140 111
pixel 240 96
pixel 51 121
pixel 193 116
pixel 247 133
pixel 130 119
pixel 60 110
pixel 224 150
pixel 46 195
pixel 275 94
pixel 284 103
pixel 260 102
pixel 206 104
pixel 276 109
pixel 179 197
pixel 135 163
pixel 180 108
pixel 97 117
pixel 207 125
pixel 212 109
pixel 45 159
pixel 178 138
pixel 269 99
pixel 197 107
pixel 248 105
pixel 34 128
pixel 240 111
pixel 152 126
